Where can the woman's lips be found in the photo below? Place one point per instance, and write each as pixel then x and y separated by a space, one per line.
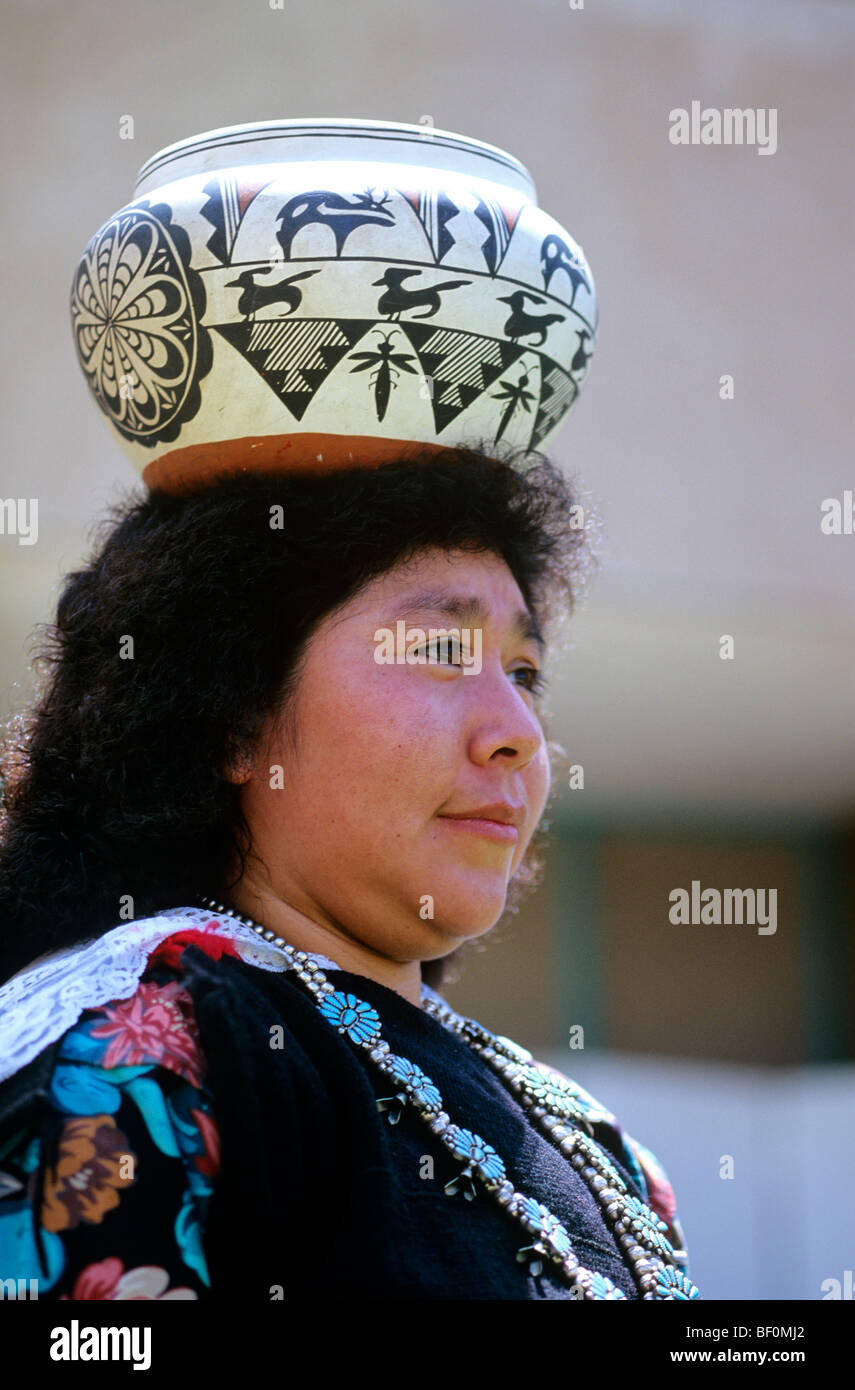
pixel 492 829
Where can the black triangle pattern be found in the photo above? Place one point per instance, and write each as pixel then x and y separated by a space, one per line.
pixel 222 210
pixel 434 210
pixel 461 365
pixel 295 356
pixel 493 218
pixel 558 391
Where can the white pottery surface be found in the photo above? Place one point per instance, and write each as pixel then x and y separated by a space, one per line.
pixel 323 292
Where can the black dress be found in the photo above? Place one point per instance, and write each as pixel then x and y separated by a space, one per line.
pixel 214 1137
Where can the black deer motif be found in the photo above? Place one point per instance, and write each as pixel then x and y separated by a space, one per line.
pixel 334 210
pixel 555 254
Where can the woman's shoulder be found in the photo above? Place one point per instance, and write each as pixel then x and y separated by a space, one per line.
pixel 41 1002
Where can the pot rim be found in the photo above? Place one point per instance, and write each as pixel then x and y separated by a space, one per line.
pixel 217 147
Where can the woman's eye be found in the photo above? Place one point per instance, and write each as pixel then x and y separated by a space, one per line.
pixel 441 649
pixel 448 651
pixel 534 681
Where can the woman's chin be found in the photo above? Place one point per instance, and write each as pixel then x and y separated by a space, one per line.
pixel 468 916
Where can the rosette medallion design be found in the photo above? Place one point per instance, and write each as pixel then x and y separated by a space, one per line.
pixel 136 307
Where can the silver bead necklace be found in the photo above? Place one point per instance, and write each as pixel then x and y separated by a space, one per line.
pixel 561 1110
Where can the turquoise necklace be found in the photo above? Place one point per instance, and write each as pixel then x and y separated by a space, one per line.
pixel 550 1100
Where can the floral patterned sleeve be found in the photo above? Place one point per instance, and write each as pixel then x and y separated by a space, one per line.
pixel 108 1200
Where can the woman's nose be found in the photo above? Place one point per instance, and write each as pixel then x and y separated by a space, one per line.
pixel 506 725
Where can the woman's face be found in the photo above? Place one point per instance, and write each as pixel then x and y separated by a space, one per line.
pixel 359 831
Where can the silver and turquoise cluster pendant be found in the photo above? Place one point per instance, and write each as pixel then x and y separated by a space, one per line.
pixel 564 1114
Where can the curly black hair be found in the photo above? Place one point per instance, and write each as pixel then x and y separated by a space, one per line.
pixel 114 802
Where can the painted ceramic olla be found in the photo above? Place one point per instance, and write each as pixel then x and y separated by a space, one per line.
pixel 329 293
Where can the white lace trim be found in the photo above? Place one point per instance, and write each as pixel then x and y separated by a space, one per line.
pixel 45 999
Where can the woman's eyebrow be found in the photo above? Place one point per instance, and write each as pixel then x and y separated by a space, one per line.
pixel 470 611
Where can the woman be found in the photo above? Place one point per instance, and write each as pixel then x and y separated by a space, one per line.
pixel 261 1093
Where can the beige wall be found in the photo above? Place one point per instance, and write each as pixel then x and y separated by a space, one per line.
pixel 595 946
pixel 701 990
pixel 708 260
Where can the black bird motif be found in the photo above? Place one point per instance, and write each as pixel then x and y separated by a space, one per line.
pixel 581 358
pixel 397 299
pixel 254 297
pixel 520 323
